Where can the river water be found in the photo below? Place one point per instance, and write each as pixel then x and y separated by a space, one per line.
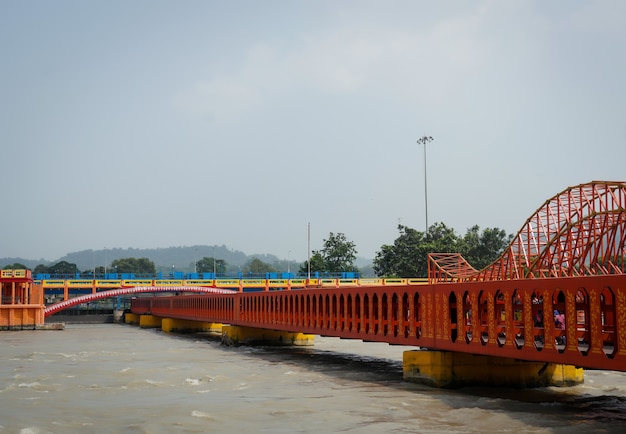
pixel 110 378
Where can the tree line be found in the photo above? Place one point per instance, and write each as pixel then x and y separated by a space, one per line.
pixel 406 257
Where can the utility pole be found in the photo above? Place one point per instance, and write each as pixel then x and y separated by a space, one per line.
pixel 423 141
pixel 308 248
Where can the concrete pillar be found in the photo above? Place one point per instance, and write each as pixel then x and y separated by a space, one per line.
pixel 449 370
pixel 236 335
pixel 149 322
pixel 118 316
pixel 190 326
pixel 132 318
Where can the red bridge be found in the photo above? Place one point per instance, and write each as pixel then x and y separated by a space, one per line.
pixel 556 295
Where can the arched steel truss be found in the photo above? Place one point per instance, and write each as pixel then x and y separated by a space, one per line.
pixel 579 232
pixel 56 307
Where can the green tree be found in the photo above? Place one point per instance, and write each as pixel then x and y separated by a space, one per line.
pixel 337 255
pixel 41 269
pixel 133 265
pixel 210 264
pixel 481 249
pixel 16 266
pixel 400 259
pixel 63 268
pixel 439 239
pixel 408 256
pixel 317 264
pixel 256 266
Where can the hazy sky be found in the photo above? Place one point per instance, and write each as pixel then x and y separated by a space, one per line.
pixel 166 123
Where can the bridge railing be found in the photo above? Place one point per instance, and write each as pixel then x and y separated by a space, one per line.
pixel 191 276
pixel 517 319
pixel 69 285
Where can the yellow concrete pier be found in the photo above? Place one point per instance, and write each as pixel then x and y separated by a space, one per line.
pixel 450 370
pixel 236 335
pixel 131 318
pixel 230 335
pixel 145 321
pixel 189 326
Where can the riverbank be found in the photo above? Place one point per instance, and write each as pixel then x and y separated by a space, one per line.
pixel 91 317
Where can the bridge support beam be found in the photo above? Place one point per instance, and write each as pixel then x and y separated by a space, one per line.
pixel 131 318
pixel 450 370
pixel 189 326
pixel 144 321
pixel 21 317
pixel 237 335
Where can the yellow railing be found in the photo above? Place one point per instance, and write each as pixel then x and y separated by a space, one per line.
pixel 55 283
pixel 80 283
pixel 227 283
pixel 20 274
pixel 137 282
pixel 164 282
pixel 108 283
pixel 231 283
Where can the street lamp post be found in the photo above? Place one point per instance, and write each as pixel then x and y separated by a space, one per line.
pixel 423 141
pixel 288 259
pixel 308 254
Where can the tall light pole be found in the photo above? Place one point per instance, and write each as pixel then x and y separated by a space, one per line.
pixel 423 141
pixel 308 254
pixel 214 265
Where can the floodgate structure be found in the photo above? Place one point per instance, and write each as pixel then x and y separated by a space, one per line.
pixel 552 304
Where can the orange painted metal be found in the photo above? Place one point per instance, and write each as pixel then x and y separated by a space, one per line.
pixel 513 318
pixel 57 307
pixel 579 232
pixel 21 302
pixel 557 294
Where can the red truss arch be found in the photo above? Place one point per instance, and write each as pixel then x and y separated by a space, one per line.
pixel 579 232
pixel 56 307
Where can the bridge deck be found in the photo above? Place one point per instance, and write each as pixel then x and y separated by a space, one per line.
pixel 513 318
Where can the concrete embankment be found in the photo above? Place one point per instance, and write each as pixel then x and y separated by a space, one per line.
pixel 89 318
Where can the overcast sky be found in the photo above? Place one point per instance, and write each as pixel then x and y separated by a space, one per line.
pixel 152 124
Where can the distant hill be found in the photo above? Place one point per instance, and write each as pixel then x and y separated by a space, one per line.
pixel 170 258
pixel 30 263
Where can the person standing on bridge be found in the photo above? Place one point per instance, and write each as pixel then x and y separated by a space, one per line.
pixel 559 320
